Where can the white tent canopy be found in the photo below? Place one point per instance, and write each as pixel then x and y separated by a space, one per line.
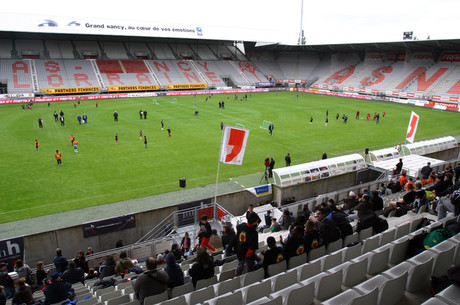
pixel 429 146
pixel 411 163
pixel 383 154
pixel 318 169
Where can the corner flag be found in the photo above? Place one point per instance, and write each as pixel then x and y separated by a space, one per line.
pixel 233 145
pixel 412 128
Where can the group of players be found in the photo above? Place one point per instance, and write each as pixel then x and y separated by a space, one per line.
pixel 375 118
pixel 60 118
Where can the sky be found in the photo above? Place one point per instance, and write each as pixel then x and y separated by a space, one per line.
pixel 324 22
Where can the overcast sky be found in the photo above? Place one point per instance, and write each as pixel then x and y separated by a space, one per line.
pixel 324 22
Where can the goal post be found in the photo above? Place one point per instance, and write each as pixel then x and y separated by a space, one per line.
pixel 265 125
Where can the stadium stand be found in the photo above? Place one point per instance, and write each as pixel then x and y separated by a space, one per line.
pixel 29 48
pixel 18 75
pixel 114 50
pixel 58 49
pixel 138 50
pixel 175 72
pixel 204 52
pixel 65 73
pixel 6 47
pixel 162 51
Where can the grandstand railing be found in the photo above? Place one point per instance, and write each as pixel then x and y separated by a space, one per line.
pixel 183 218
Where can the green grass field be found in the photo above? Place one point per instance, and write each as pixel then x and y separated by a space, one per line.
pixel 32 184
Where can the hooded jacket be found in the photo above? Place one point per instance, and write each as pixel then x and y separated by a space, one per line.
pixel 174 271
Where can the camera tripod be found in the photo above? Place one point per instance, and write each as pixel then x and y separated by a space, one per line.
pixel 264 177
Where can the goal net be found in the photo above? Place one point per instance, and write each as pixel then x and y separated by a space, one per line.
pixel 265 125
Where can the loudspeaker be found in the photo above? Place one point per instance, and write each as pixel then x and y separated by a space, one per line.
pixel 366 151
pixel 182 182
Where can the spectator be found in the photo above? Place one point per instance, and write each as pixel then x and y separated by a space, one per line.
pixel 367 219
pixel 203 268
pixel 89 251
pixel 107 268
pixel 175 249
pixel 444 205
pixel 399 166
pixel 81 262
pixel 402 179
pixel 228 237
pixel 382 189
pixel 294 243
pixel 60 262
pixel 407 199
pixel 251 211
pixel 119 244
pixel 409 181
pixel 267 219
pixel 438 186
pixel 123 264
pixel 300 220
pixel 305 211
pixel 215 241
pixel 393 186
pixel 311 236
pixel 23 294
pixel 205 233
pixel 58 291
pixel 273 255
pixel 457 172
pixel 91 274
pixel 364 205
pixel 174 271
pixel 186 243
pixel 426 170
pixel 6 281
pixel 420 196
pixel 247 244
pixel 41 274
pixel 339 218
pixel 351 201
pixel 74 274
pixel 377 201
pixel 151 282
pixel 285 220
pixel 327 230
pixel 275 227
pixel 24 271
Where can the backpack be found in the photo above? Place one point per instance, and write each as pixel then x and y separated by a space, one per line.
pixel 380 225
pixel 416 244
pixel 437 236
pixel 423 223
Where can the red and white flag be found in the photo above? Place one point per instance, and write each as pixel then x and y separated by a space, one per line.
pixel 412 128
pixel 233 146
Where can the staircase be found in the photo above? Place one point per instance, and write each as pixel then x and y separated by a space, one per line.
pixel 241 72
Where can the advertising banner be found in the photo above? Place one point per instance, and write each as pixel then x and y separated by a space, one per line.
pixel 11 250
pixel 71 90
pixel 108 225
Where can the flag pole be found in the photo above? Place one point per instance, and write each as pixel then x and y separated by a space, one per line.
pixel 218 164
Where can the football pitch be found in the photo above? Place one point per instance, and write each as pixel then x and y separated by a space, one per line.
pixel 32 184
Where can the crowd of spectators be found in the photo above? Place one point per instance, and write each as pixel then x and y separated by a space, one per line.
pixel 327 223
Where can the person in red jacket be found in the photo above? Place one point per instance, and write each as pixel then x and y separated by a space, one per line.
pixel 205 233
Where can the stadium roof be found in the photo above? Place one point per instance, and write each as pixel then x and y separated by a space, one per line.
pixel 399 46
pixel 435 46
